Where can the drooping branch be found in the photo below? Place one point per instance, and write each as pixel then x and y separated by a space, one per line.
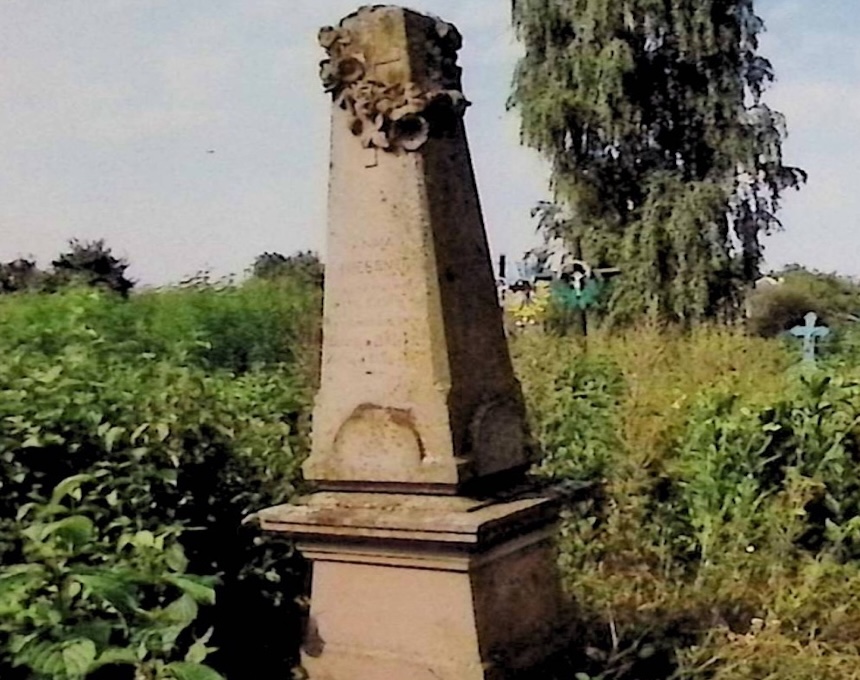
pixel 651 116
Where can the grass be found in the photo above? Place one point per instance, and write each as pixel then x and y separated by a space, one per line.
pixel 720 537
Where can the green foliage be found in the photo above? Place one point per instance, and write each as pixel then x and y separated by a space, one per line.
pixel 721 538
pixel 713 532
pixel 661 148
pixel 20 275
pixel 85 264
pixel 776 309
pixel 846 345
pixel 733 462
pixel 796 291
pixel 578 398
pixel 838 296
pixel 131 449
pixel 301 266
pixel 234 328
pixel 86 600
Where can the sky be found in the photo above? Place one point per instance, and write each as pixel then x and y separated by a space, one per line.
pixel 192 135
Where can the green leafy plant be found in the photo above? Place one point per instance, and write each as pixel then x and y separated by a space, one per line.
pixel 662 150
pixel 86 598
pixel 173 447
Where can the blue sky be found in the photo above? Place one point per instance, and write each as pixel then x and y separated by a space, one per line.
pixel 109 109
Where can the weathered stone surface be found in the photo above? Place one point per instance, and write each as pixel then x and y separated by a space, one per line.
pixel 417 387
pixel 442 588
pixel 458 523
pixel 395 75
pixel 418 395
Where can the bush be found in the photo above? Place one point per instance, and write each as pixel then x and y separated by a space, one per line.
pixel 714 532
pixel 214 327
pixel 87 601
pixel 775 310
pixel 167 444
pixel 303 267
pixel 722 538
pixel 576 399
pixel 91 263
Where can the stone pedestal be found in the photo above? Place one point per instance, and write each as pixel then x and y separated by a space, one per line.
pixel 424 587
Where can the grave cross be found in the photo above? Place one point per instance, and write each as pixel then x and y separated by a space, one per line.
pixel 809 332
pixel 580 286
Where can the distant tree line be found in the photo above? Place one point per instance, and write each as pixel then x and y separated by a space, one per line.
pixel 786 296
pixel 303 265
pixel 92 263
pixel 89 263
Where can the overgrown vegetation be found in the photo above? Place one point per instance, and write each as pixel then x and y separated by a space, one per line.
pixel 717 536
pixel 715 532
pixel 135 436
pixel 783 299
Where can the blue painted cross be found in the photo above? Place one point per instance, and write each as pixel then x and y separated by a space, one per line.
pixel 809 332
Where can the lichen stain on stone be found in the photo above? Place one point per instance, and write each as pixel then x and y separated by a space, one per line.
pixel 389 31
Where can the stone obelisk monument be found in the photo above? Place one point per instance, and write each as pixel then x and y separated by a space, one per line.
pixel 419 570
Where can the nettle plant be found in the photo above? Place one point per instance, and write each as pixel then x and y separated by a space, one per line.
pixel 89 602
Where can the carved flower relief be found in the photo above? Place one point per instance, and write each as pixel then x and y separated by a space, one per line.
pixel 341 69
pixel 394 116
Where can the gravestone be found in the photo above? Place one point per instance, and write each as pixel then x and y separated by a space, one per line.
pixel 809 333
pixel 426 563
pixel 415 368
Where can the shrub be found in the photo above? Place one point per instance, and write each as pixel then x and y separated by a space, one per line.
pixel 179 449
pixel 722 541
pixel 87 601
pixel 91 263
pixel 20 275
pixel 303 267
pixel 776 309
pixel 214 327
pixel 836 300
pixel 713 533
pixel 576 400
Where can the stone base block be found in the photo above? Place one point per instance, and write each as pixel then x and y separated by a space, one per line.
pixel 425 588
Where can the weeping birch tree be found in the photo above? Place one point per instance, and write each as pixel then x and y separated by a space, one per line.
pixel 664 157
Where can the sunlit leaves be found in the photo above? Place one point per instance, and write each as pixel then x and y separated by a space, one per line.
pixel 82 593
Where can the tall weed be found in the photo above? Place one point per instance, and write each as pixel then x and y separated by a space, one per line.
pixel 723 538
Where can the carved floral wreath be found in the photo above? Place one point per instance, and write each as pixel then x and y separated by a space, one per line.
pixel 394 116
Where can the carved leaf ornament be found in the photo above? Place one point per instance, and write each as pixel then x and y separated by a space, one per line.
pixel 395 116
